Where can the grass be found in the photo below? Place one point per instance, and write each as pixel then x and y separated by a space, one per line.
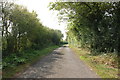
pixel 13 64
pixel 105 65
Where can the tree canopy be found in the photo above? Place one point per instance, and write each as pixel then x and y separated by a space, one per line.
pixel 22 30
pixel 93 25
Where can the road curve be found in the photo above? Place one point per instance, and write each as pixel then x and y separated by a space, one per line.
pixel 61 63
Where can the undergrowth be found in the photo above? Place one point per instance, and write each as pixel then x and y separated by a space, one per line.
pixel 17 62
pixel 105 64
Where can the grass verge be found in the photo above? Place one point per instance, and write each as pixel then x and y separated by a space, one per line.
pixel 105 65
pixel 15 64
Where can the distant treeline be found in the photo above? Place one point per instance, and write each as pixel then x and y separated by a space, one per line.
pixel 93 25
pixel 22 30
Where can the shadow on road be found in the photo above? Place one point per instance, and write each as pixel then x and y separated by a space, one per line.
pixel 43 67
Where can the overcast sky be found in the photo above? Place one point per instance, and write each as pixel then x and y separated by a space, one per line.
pixel 47 17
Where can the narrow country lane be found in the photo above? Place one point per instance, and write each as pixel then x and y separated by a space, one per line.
pixel 61 63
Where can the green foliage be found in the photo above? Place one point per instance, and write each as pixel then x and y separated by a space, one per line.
pixel 17 62
pixel 22 30
pixel 20 58
pixel 23 38
pixel 92 25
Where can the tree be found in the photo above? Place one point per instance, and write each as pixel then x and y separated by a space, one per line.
pixel 91 25
pixel 22 30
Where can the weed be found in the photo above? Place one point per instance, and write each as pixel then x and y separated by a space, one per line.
pixel 17 62
pixel 106 65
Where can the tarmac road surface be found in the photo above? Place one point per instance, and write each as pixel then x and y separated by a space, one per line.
pixel 61 63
